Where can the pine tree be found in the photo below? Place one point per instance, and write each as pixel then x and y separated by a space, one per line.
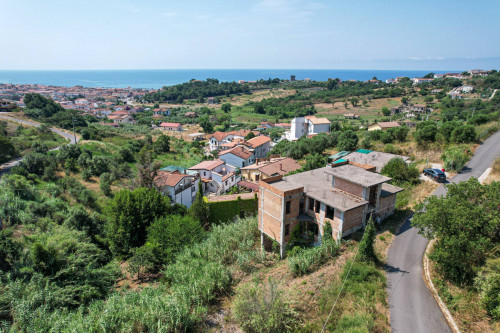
pixel 366 249
pixel 199 208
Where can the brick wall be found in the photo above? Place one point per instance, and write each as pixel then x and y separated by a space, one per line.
pixel 387 205
pixel 353 218
pixel 349 187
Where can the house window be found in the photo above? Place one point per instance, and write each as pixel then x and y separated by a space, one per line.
pixel 311 203
pixel 288 206
pixel 225 182
pixel 232 178
pixel 317 206
pixel 329 212
pixel 287 229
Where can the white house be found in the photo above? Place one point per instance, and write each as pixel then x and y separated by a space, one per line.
pixel 171 126
pixel 218 138
pixel 309 125
pixel 217 176
pixel 178 187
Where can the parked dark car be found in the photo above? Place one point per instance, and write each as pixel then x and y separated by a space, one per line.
pixel 435 174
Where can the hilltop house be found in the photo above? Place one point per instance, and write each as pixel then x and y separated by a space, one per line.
pixel 218 138
pixel 343 195
pixel 217 176
pixel 121 117
pixel 180 188
pixel 269 167
pixel 383 126
pixel 171 126
pixel 309 125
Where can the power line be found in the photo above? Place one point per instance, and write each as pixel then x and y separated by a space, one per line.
pixel 343 285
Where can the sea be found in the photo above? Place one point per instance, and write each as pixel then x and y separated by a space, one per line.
pixel 158 78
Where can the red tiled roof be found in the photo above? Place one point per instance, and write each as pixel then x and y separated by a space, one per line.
pixel 170 125
pixel 219 136
pixel 229 174
pixel 246 184
pixel 207 165
pixel 258 141
pixel 165 178
pixel 280 167
pixel 239 151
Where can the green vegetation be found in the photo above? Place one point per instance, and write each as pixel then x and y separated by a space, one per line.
pixel 226 211
pixel 465 224
pixel 400 171
pixel 304 261
pixel 261 307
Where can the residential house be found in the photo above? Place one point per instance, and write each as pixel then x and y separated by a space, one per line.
pixel 170 127
pixel 283 125
pixel 180 188
pixel 419 80
pixel 190 114
pixel 266 125
pixel 211 100
pixel 219 138
pixel 121 117
pixel 239 156
pixel 390 81
pixel 345 196
pixel 217 176
pixel 350 116
pixel 261 145
pixel 309 125
pixel 269 167
pixel 162 112
pixel 385 125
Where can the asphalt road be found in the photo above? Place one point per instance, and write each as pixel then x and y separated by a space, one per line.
pixel 412 307
pixel 4 115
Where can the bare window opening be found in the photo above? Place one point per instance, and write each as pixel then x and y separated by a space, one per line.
pixel 329 212
pixel 287 229
pixel 311 203
pixel 317 206
pixel 288 207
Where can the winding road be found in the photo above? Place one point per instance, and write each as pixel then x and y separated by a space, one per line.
pixel 412 307
pixel 4 116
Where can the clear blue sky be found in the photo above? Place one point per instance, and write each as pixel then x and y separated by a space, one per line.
pixel 335 34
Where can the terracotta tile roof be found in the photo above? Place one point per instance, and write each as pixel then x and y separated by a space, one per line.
pixel 229 174
pixel 219 136
pixel 317 121
pixel 388 124
pixel 207 165
pixel 246 184
pixel 170 125
pixel 258 141
pixel 239 151
pixel 242 132
pixel 280 167
pixel 165 178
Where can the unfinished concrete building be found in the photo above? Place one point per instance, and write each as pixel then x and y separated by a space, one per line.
pixel 344 196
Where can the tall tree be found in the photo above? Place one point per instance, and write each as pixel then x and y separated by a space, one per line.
pixel 147 166
pixel 199 209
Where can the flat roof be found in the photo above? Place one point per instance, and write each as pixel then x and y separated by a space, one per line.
pixel 357 175
pixel 317 185
pixel 388 190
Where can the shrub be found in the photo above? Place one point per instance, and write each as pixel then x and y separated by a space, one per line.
pixel 463 134
pixel 308 260
pixel 425 133
pixel 262 308
pixel 366 249
pixel 487 283
pixel 400 171
pixel 455 158
pixel 386 137
pixel 348 141
pixel 391 149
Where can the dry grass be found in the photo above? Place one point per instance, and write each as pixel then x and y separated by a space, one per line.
pixel 494 175
pixel 464 305
pixel 374 107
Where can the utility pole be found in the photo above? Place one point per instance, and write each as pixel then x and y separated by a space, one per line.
pixel 74 135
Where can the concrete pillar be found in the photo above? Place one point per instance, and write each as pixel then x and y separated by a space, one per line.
pixel 282 251
pixel 261 241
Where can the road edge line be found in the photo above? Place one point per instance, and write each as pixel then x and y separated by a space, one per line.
pixel 430 285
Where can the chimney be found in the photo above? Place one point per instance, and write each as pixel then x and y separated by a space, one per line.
pixel 257 161
pixel 281 167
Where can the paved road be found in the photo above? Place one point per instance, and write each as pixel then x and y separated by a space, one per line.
pixel 412 307
pixel 4 115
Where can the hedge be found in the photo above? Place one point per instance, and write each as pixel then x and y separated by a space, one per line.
pixel 224 211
